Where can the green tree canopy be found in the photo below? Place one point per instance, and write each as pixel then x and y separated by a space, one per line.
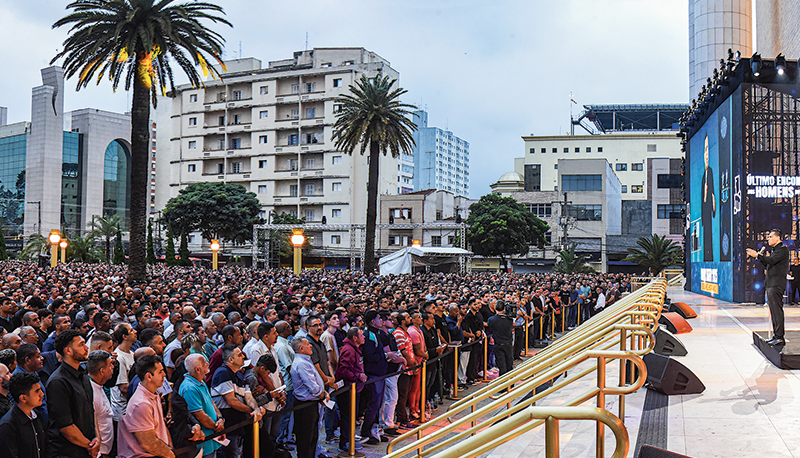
pixel 217 210
pixel 119 251
pixel 151 254
pixel 569 262
pixel 84 249
pixel 285 247
pixel 373 115
pixel 501 226
pixel 106 227
pixel 169 252
pixel 656 253
pixel 3 254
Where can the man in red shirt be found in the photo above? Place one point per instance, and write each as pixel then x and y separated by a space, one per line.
pixel 404 382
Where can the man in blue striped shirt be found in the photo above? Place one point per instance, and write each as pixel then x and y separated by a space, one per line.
pixel 308 386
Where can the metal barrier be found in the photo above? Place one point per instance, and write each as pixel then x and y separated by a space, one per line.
pixel 629 324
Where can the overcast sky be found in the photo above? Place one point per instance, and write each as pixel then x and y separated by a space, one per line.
pixel 488 71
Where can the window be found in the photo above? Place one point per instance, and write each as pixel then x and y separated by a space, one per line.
pixel 451 240
pixel 292 164
pixel 401 240
pixel 400 213
pixel 669 181
pixel 310 162
pixel 293 192
pixel 262 188
pixel 295 113
pixel 336 186
pixel 337 160
pixel 436 240
pixel 222 120
pixel 295 88
pixel 220 168
pixel 544 150
pixel 532 150
pixel 221 96
pixel 555 166
pixel 236 143
pixel 262 139
pixel 263 90
pixel 541 210
pixel 309 87
pixel 237 95
pixel 192 97
pixel 264 114
pixel 585 212
pixel 221 144
pixel 669 211
pixel 309 215
pixel 192 167
pixel 637 167
pixel 310 189
pixel 292 139
pixel 293 212
pixel 337 108
pixel 622 167
pixel 577 149
pixel 237 119
pixel 192 121
pixel 566 150
pixel 348 62
pixel 336 213
pixel 582 182
pixel 337 82
pixel 599 149
pixel 336 240
pixel 624 188
pixel 588 149
pixel 236 167
pixel 325 64
pixel 311 112
pixel 262 163
pixel 637 189
pixel 555 150
pixel 548 238
pixel 192 144
pixel 651 148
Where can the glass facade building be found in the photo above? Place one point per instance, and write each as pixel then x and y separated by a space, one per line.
pixel 116 181
pixel 12 183
pixel 71 182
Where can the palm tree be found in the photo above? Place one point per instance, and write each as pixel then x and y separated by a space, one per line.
pixel 373 115
pixel 84 249
pixel 571 263
pixel 107 228
pixel 36 246
pixel 133 41
pixel 657 253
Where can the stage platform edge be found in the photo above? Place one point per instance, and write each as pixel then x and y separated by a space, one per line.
pixel 783 356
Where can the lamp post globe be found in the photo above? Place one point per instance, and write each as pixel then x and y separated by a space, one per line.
pixel 54 239
pixel 215 252
pixel 297 239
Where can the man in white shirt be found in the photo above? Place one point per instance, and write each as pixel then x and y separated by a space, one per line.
pixel 124 336
pixel 100 369
pixel 601 301
pixel 182 327
pixel 254 348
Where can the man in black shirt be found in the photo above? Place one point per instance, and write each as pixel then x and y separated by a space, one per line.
pixel 474 322
pixel 6 307
pixel 501 327
pixel 23 431
pixel 433 348
pixel 69 401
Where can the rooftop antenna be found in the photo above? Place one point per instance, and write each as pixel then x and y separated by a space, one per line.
pixel 240 49
pixel 306 41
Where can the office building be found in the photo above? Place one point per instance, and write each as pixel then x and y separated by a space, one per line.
pixel 57 173
pixel 441 159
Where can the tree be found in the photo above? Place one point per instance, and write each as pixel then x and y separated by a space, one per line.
pixel 151 254
pixel 285 247
pixel 84 249
pixel 36 246
pixel 217 210
pixel 571 263
pixel 372 115
pixel 657 253
pixel 106 227
pixel 119 252
pixel 133 41
pixel 169 252
pixel 3 254
pixel 184 250
pixel 501 226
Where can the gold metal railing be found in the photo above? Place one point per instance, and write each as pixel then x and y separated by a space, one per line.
pixel 629 324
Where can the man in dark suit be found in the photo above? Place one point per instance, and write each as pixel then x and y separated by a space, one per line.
pixel 776 261
pixel 794 282
pixel 708 207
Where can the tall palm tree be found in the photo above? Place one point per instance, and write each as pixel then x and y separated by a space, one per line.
pixel 84 249
pixel 657 253
pixel 571 263
pixel 133 41
pixel 106 227
pixel 373 115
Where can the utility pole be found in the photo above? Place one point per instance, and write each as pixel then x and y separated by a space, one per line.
pixel 564 222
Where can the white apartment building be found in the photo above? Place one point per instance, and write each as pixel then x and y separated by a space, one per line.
pixel 441 159
pixel 270 130
pixel 627 152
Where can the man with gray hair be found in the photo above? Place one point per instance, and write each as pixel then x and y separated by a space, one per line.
pixel 28 335
pixel 199 402
pixel 100 368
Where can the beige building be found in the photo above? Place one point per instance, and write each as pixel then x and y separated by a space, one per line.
pixel 776 28
pixel 270 130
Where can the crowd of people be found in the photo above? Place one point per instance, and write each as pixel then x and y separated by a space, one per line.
pixel 184 364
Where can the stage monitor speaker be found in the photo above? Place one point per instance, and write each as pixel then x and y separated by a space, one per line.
pixel 683 309
pixel 648 451
pixel 668 376
pixel 667 344
pixel 675 323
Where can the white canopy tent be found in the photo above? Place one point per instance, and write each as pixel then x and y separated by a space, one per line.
pixel 403 261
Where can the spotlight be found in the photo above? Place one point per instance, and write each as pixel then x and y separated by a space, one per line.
pixel 737 55
pixel 755 64
pixel 730 54
pixel 780 64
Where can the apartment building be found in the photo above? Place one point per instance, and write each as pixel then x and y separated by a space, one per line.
pixel 441 159
pixel 270 130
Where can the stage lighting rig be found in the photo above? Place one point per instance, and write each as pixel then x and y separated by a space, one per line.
pixel 780 64
pixel 755 65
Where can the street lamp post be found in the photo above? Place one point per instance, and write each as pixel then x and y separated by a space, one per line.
pixel 214 251
pixel 63 244
pixel 55 238
pixel 297 240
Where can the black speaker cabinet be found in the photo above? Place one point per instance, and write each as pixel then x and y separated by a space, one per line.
pixel 667 344
pixel 668 376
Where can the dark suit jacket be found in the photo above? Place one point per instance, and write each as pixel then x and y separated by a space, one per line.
pixel 777 264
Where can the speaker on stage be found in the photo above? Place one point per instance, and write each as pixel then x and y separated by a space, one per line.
pixel 648 451
pixel 683 309
pixel 668 376
pixel 675 323
pixel 667 344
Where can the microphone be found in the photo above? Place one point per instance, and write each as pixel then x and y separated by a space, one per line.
pixel 763 248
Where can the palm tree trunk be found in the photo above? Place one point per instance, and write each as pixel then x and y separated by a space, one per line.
pixel 140 140
pixel 372 208
pixel 108 249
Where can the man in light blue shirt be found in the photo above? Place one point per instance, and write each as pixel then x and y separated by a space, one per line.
pixel 283 348
pixel 199 402
pixel 308 386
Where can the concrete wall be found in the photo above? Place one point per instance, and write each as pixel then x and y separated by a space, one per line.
pixel 637 217
pixel 776 27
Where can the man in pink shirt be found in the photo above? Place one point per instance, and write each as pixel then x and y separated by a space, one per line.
pixel 142 430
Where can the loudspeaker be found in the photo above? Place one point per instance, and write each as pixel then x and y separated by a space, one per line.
pixel 667 344
pixel 668 376
pixel 675 323
pixel 648 451
pixel 684 309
